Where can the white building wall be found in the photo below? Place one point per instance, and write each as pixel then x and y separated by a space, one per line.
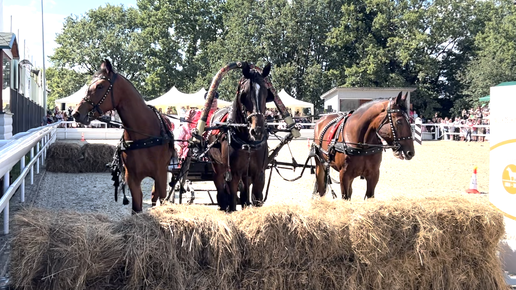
pixel 350 97
pixel 332 101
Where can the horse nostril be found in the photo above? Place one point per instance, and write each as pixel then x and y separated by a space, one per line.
pixel 253 132
pixel 410 154
pixel 76 115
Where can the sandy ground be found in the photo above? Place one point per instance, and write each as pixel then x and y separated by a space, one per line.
pixel 438 168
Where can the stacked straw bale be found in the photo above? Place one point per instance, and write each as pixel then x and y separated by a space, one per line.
pixel 95 157
pixel 445 243
pixel 74 158
pixel 63 157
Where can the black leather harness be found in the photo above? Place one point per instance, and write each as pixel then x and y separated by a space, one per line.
pixel 361 149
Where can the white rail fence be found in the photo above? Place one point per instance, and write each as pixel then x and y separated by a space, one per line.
pixel 15 150
pixel 70 130
pixel 447 132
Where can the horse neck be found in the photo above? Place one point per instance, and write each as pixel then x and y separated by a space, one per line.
pixel 366 127
pixel 135 114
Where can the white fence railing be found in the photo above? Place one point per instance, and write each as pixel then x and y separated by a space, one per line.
pixel 14 150
pixel 446 132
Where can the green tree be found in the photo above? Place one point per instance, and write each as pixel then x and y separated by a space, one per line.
pixel 179 33
pixel 106 32
pixel 495 59
pixel 63 82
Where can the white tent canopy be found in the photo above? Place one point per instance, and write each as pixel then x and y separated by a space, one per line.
pixel 292 103
pixel 175 98
pixel 74 98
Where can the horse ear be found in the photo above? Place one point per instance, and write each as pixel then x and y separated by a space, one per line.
pixel 404 98
pixel 107 65
pixel 246 70
pixel 399 99
pixel 266 70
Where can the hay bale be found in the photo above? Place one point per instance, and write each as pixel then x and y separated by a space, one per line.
pixel 445 243
pixel 94 157
pixel 294 247
pixel 433 243
pixel 191 247
pixel 62 250
pixel 63 157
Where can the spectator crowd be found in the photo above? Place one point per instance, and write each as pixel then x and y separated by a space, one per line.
pixel 471 125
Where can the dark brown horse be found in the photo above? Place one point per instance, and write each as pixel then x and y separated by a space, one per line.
pixel 240 153
pixel 353 143
pixel 147 144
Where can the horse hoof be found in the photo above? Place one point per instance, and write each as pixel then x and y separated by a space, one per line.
pixel 125 201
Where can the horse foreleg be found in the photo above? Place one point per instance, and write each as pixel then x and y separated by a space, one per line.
pixel 372 180
pixel 258 185
pixel 244 192
pixel 346 189
pixel 220 184
pixel 159 189
pixel 233 190
pixel 320 177
pixel 136 192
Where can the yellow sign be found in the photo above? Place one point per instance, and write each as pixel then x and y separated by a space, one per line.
pixel 509 178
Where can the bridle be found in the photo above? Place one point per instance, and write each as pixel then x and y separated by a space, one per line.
pixel 96 107
pixel 396 146
pixel 256 107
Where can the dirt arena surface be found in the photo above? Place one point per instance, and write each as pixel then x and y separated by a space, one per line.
pixel 442 167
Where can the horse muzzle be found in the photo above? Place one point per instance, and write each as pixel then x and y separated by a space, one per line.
pixel 404 155
pixel 83 119
pixel 256 133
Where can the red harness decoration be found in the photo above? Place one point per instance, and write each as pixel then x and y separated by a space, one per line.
pixel 334 128
pixel 224 118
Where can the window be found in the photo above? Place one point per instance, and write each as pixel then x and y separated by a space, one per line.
pixel 7 72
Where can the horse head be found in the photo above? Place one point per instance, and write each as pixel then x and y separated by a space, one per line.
pixel 95 103
pixel 395 128
pixel 251 99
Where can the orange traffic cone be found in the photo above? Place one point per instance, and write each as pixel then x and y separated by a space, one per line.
pixel 82 137
pixel 473 183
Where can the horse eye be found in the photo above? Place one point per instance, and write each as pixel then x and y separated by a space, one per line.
pixel 99 87
pixel 398 122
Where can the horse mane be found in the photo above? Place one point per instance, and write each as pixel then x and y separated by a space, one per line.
pixel 104 71
pixel 366 106
pixel 237 115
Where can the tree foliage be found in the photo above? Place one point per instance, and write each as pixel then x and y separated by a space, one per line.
pixel 450 51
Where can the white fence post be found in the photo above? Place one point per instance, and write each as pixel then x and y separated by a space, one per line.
pixel 37 162
pixel 43 143
pixel 22 189
pixel 6 210
pixel 32 167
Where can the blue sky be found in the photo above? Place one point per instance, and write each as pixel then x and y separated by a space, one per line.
pixel 26 21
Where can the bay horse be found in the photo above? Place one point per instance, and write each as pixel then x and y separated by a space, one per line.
pixel 240 153
pixel 146 146
pixel 352 144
